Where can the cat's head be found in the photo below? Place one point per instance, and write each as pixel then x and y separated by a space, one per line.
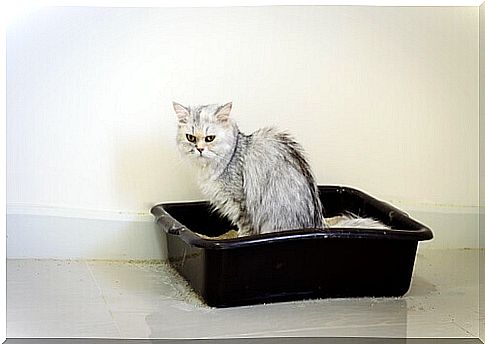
pixel 206 132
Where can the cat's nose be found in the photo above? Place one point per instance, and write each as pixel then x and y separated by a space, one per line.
pixel 200 149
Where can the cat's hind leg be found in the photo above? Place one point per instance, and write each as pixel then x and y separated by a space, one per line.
pixel 244 231
pixel 245 228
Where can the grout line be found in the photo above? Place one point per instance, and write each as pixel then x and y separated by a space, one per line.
pixel 104 298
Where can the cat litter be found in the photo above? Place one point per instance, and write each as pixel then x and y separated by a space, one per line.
pixel 293 265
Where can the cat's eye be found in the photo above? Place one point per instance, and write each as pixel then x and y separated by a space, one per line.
pixel 190 138
pixel 209 138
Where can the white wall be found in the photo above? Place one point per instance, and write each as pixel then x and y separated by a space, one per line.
pixel 482 130
pixel 481 292
pixel 383 99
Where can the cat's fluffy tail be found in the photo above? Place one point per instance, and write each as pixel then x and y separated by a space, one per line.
pixel 353 221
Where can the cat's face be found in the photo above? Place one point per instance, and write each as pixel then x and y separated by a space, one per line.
pixel 205 133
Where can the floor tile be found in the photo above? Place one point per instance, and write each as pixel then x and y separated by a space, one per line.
pixel 111 299
pixel 444 291
pixel 127 287
pixel 322 317
pixel 49 298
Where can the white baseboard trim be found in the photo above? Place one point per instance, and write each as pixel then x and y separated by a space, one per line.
pixel 16 208
pixel 453 227
pixel 35 231
pixel 61 233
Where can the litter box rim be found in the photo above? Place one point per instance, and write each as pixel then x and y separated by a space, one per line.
pixel 171 226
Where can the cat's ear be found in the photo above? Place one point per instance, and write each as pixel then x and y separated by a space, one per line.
pixel 181 111
pixel 222 114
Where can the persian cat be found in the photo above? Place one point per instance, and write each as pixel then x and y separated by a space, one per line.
pixel 261 182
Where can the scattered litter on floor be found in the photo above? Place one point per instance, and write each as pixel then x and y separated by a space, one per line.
pixel 181 288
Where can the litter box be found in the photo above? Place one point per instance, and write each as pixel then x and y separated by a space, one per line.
pixel 295 264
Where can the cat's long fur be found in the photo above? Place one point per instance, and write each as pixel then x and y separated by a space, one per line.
pixel 261 182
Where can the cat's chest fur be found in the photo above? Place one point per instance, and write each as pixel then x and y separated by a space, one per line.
pixel 225 193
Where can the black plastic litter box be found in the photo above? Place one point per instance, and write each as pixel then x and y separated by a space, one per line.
pixel 296 264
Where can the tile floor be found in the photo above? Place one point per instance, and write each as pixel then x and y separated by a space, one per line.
pixel 107 299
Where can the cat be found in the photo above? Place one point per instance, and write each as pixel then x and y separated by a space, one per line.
pixel 261 182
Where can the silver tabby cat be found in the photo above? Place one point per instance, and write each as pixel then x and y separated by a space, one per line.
pixel 261 182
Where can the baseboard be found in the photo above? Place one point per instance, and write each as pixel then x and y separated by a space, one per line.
pixel 454 227
pixel 50 232
pixel 35 231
